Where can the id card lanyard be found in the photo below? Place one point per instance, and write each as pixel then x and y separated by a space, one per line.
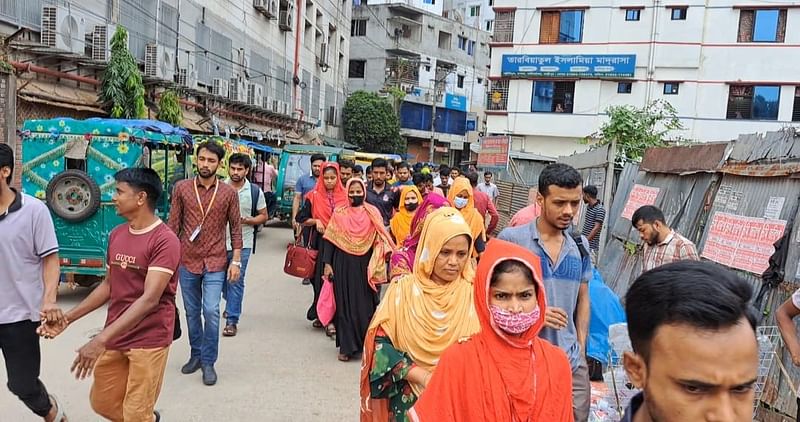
pixel 203 212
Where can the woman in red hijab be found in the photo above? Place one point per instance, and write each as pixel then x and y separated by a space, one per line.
pixel 506 373
pixel 315 215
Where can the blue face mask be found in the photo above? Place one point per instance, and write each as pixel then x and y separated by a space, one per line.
pixel 460 202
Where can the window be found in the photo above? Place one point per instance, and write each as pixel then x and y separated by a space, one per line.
pixel 427 68
pixel 671 88
pixel 679 13
pixel 552 97
pixel 460 81
pixel 498 99
pixel 624 87
pixel 633 14
pixel 358 27
pixel 357 69
pixel 503 27
pixel 762 25
pixel 491 2
pixel 475 10
pixel 796 109
pixel 462 43
pixel 489 25
pixel 471 48
pixel 444 40
pixel 754 102
pixel 561 27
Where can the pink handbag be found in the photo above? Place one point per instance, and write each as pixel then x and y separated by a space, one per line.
pixel 326 305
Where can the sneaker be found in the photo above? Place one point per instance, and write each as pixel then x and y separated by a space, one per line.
pixel 191 367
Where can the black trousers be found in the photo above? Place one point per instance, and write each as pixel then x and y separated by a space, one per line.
pixel 20 345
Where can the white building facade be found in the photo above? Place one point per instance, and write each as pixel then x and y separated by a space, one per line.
pixel 475 13
pixel 728 67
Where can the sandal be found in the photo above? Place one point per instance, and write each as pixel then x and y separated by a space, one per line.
pixel 60 415
pixel 316 324
pixel 343 358
pixel 330 330
pixel 230 330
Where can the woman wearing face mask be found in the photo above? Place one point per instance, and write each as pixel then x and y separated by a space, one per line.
pixel 462 198
pixel 419 317
pixel 400 224
pixel 402 262
pixel 354 252
pixel 506 372
pixel 314 217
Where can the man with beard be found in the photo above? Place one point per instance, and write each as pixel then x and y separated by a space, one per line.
pixel 661 244
pixel 233 292
pixel 346 171
pixel 566 270
pixel 378 192
pixel 305 184
pixel 695 353
pixel 202 208
pixel 403 172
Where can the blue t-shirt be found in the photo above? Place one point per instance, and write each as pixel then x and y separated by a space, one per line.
pixel 305 184
pixel 561 282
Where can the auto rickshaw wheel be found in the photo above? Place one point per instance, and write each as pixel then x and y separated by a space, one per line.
pixel 73 196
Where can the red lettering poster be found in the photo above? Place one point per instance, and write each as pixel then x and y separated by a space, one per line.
pixel 740 242
pixel 494 152
pixel 640 196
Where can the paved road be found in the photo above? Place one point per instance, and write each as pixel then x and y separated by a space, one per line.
pixel 277 369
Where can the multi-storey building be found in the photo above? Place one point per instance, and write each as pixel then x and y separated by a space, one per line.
pixel 475 13
pixel 438 62
pixel 728 67
pixel 259 67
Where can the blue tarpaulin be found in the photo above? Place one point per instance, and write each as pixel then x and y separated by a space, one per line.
pixel 606 311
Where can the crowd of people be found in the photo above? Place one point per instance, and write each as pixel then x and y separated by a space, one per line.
pixel 449 321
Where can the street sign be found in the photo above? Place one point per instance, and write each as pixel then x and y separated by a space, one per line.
pixel 494 153
pixel 568 65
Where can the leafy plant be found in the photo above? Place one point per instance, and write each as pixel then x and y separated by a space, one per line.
pixel 6 66
pixel 169 108
pixel 371 123
pixel 635 129
pixel 121 87
pixel 397 95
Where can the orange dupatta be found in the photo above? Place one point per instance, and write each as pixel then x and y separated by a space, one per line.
pixel 471 215
pixel 401 222
pixel 495 376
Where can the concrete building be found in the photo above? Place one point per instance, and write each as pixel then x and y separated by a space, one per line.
pixel 261 68
pixel 475 13
pixel 436 61
pixel 727 68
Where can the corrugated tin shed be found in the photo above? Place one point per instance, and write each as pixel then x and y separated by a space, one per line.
pixel 685 159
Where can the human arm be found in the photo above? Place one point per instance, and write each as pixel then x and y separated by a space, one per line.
pixel 595 230
pixel 97 298
pixel 176 211
pixel 297 201
pixel 494 218
pixel 326 251
pixel 785 317
pixel 689 252
pixel 45 245
pixel 261 209
pixel 391 370
pixel 582 315
pixel 235 224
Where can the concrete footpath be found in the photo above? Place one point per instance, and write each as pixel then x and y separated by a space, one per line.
pixel 278 368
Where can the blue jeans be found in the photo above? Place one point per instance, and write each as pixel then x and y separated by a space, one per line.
pixel 201 293
pixel 233 293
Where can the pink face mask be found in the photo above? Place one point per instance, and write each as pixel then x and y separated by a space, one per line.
pixel 514 323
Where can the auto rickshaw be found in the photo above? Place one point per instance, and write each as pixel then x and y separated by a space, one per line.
pixel 70 164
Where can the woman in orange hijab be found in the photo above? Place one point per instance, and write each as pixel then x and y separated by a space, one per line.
pixel 462 197
pixel 410 198
pixel 506 372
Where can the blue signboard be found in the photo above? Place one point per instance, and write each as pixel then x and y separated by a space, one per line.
pixel 568 65
pixel 455 102
pixel 471 125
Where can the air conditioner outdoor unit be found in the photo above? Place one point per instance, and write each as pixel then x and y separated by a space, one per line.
pixel 260 5
pixel 220 87
pixel 101 41
pixel 186 78
pixel 255 94
pixel 408 88
pixel 159 62
pixel 63 29
pixel 282 107
pixel 275 106
pixel 272 9
pixel 237 90
pixel 322 60
pixel 286 19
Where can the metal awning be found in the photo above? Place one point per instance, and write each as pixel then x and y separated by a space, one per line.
pixel 338 143
pixel 43 92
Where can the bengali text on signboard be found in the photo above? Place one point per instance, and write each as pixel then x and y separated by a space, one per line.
pixel 494 152
pixel 744 243
pixel 640 196
pixel 568 65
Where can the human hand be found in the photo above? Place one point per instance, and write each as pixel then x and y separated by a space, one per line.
pixel 796 359
pixel 233 273
pixel 320 227
pixel 555 318
pixel 296 227
pixel 327 271
pixel 51 313
pixel 246 221
pixel 50 330
pixel 83 365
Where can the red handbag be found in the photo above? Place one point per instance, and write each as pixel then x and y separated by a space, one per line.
pixel 300 260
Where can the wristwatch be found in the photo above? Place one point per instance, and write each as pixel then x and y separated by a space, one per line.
pixel 236 263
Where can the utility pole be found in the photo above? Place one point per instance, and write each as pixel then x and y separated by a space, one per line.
pixel 432 149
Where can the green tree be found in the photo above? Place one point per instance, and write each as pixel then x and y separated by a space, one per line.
pixel 371 123
pixel 169 108
pixel 635 129
pixel 121 87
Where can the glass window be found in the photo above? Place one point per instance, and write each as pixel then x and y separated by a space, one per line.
pixel 358 27
pixel 632 14
pixel 460 81
pixel 552 97
pixel 471 48
pixel 679 13
pixel 357 69
pixel 571 26
pixel 765 102
pixel 671 88
pixel 750 102
pixel 765 28
pixel 624 87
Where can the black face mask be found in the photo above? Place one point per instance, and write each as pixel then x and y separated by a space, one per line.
pixel 357 201
pixel 412 207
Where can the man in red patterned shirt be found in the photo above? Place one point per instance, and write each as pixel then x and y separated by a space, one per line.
pixel 202 209
pixel 662 245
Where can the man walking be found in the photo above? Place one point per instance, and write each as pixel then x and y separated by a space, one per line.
pixel 378 192
pixel 403 172
pixel 251 201
pixel 270 177
pixel 484 204
pixel 661 244
pixel 566 271
pixel 129 355
pixel 201 210
pixel 29 273
pixel 593 224
pixel 488 187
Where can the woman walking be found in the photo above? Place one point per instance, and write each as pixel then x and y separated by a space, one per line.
pixel 420 316
pixel 315 215
pixel 410 197
pixel 506 372
pixel 402 262
pixel 354 252
pixel 462 197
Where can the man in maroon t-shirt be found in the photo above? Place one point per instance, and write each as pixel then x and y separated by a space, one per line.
pixel 129 356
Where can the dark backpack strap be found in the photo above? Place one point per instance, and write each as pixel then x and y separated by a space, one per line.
pixel 254 192
pixel 577 237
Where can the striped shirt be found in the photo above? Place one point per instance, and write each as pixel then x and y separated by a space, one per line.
pixel 594 214
pixel 674 248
